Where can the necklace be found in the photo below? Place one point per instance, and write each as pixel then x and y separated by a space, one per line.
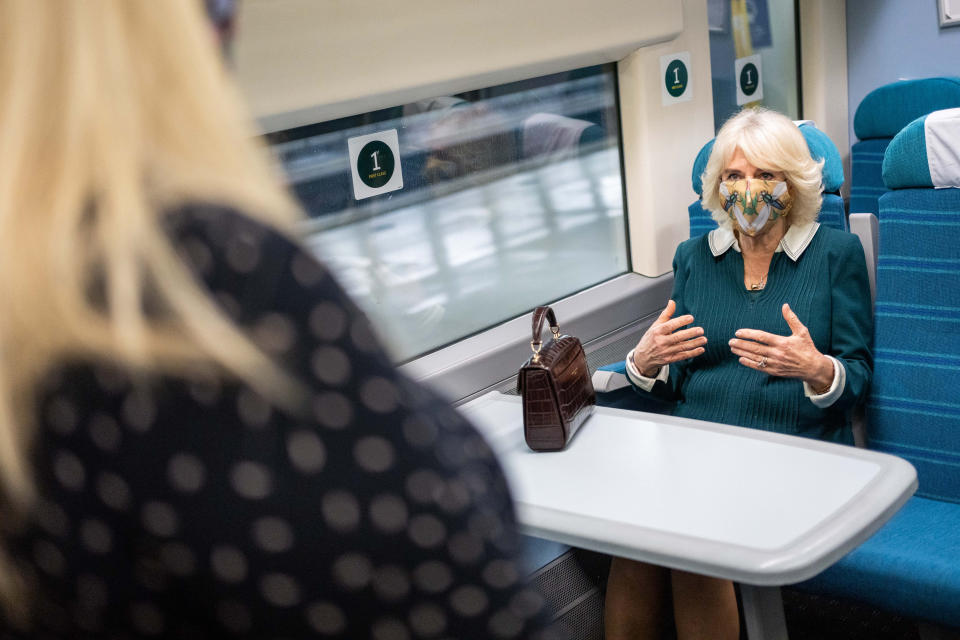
pixel 760 284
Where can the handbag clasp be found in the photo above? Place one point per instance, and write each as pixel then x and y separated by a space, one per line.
pixel 535 346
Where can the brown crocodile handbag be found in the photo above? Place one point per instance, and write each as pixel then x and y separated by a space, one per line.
pixel 556 388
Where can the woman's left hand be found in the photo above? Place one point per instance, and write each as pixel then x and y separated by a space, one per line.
pixel 793 356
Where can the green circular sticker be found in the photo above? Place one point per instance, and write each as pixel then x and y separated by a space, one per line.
pixel 675 78
pixel 749 79
pixel 375 164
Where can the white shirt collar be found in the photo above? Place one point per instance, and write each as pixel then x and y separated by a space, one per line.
pixel 793 243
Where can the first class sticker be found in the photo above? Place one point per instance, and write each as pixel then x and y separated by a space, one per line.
pixel 675 73
pixel 749 78
pixel 375 163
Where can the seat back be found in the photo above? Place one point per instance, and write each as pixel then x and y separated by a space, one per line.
pixel 914 406
pixel 821 147
pixel 879 117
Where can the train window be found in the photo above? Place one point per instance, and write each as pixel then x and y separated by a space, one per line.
pixel 511 197
pixel 753 56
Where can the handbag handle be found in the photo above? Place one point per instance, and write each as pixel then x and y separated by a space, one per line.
pixel 538 315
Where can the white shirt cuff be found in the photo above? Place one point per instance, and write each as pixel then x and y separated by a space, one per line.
pixel 832 394
pixel 641 380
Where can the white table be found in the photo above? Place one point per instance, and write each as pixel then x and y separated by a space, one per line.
pixel 758 508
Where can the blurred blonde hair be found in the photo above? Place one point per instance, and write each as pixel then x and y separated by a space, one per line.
pixel 112 112
pixel 769 140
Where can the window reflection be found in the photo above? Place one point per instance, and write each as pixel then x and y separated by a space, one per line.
pixel 512 197
pixel 743 28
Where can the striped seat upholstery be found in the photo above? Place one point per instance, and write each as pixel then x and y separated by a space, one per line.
pixel 879 117
pixel 912 565
pixel 918 333
pixel 866 181
pixel 832 212
pixel 701 221
pixel 914 409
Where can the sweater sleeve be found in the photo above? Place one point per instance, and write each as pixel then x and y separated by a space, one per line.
pixel 851 322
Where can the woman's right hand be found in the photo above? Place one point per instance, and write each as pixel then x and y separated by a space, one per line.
pixel 663 343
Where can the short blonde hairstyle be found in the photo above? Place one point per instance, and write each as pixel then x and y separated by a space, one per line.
pixel 769 140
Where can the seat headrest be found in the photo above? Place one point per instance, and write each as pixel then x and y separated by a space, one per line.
pixel 700 165
pixel 821 148
pixel 887 109
pixel 926 153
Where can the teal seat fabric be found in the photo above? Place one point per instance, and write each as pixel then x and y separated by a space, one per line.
pixel 879 117
pixel 908 165
pixel 832 212
pixel 866 179
pixel 887 109
pixel 912 565
pixel 699 166
pixel 822 148
pixel 701 221
pixel 914 405
pixel 923 154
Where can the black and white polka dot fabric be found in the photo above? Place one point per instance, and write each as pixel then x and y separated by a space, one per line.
pixel 192 508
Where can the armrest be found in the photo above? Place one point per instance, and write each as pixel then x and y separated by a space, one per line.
pixel 611 377
pixel 866 227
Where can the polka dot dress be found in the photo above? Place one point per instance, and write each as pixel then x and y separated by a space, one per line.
pixel 194 508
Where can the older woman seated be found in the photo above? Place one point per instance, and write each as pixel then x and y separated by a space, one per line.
pixel 769 327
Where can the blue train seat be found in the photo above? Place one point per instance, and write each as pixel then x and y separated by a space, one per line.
pixel 912 565
pixel 879 117
pixel 700 220
pixel 832 213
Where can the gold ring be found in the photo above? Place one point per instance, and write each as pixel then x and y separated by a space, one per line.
pixel 763 362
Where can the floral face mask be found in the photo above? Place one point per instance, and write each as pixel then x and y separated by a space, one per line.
pixel 754 205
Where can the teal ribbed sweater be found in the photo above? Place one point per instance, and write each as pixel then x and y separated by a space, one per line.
pixel 826 287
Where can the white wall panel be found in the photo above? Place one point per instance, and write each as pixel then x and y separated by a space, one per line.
pixel 661 142
pixel 301 61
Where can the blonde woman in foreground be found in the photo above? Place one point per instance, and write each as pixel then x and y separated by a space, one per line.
pixel 199 434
